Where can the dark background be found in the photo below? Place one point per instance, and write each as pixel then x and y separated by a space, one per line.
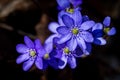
pixel 26 17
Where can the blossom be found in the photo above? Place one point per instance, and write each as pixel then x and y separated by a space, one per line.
pixel 74 32
pixel 97 31
pixel 65 56
pixel 66 3
pixel 29 53
pixel 109 31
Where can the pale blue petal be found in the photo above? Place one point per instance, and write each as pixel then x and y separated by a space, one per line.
pixel 64 59
pixel 22 49
pixel 64 38
pixel 81 43
pixel 28 64
pixel 53 27
pixel 49 43
pixel 72 44
pixel 22 58
pixel 87 25
pixel 87 36
pixel 100 41
pixel 63 30
pixel 97 26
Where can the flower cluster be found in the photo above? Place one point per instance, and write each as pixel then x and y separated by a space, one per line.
pixel 72 38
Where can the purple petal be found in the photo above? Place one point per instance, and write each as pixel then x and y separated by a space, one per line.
pixel 68 21
pixel 28 64
pixel 72 44
pixel 21 48
pixel 63 30
pixel 97 26
pixel 63 3
pixel 64 59
pixel 72 62
pixel 87 25
pixel 28 42
pixel 77 17
pixel 38 44
pixel 87 36
pixel 76 3
pixel 39 63
pixel 64 38
pixel 112 31
pixel 41 52
pixel 81 43
pixel 53 27
pixel 107 21
pixel 39 48
pixel 22 58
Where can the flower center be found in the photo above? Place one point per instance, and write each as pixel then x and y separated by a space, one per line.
pixel 66 50
pixel 46 56
pixel 32 53
pixel 70 10
pixel 75 31
pixel 106 30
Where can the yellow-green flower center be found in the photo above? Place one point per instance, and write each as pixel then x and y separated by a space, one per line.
pixel 66 50
pixel 75 31
pixel 46 56
pixel 70 10
pixel 106 30
pixel 32 53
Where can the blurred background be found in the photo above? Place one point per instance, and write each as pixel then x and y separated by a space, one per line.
pixel 31 18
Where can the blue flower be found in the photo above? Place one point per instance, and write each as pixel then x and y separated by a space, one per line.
pixel 66 3
pixel 97 31
pixel 29 53
pixel 74 32
pixel 65 56
pixel 109 31
pixel 35 53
